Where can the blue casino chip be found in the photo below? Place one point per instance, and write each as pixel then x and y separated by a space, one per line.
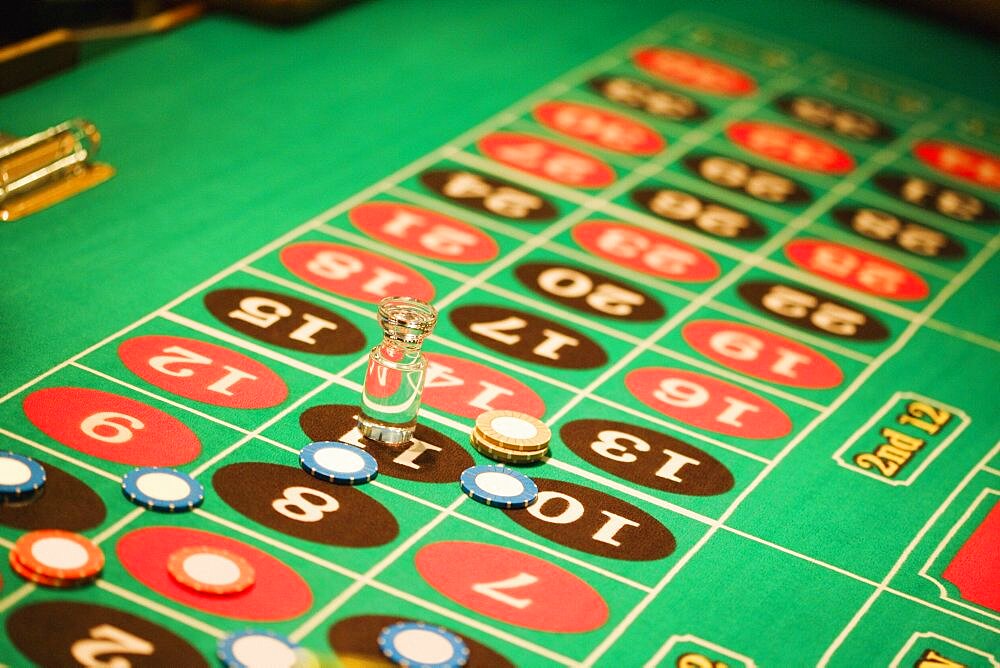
pixel 499 486
pixel 420 645
pixel 19 475
pixel 162 489
pixel 338 462
pixel 257 648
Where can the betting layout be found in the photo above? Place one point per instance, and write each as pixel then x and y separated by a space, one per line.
pixel 684 259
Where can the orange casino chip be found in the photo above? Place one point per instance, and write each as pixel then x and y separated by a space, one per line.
pixel 31 576
pixel 211 570
pixel 57 555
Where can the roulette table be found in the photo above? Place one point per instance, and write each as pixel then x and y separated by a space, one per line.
pixel 740 259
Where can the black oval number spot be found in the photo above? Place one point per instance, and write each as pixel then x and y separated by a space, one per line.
pixel 63 503
pixel 647 457
pixel 889 229
pixel 528 337
pixel 585 519
pixel 654 100
pixel 702 215
pixel 837 118
pixel 355 640
pixel 429 457
pixel 286 321
pixel 291 501
pixel 588 291
pixel 936 197
pixel 489 194
pixel 746 178
pixel 69 633
pixel 812 311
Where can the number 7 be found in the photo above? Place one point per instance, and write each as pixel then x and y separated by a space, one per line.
pixel 520 580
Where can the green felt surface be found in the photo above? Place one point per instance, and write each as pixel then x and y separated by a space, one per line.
pixel 226 135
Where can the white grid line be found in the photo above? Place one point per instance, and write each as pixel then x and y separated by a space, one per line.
pixel 158 397
pixel 52 452
pixel 323 613
pixel 924 571
pixel 510 536
pixel 917 539
pixel 12 599
pixel 166 611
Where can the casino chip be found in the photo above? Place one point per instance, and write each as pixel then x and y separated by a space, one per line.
pixel 511 437
pixel 513 430
pixel 498 486
pixel 19 475
pixel 421 645
pixel 263 649
pixel 31 576
pixel 162 489
pixel 56 558
pixel 211 570
pixel 506 455
pixel 338 462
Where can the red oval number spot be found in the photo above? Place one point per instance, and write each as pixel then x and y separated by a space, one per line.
pixel 708 403
pixel 762 354
pixel 600 127
pixel 695 72
pixel 512 586
pixel 856 269
pixel 111 427
pixel 790 147
pixel 424 232
pixel 547 160
pixel 277 593
pixel 465 388
pixel 203 371
pixel 645 251
pixel 353 273
pixel 962 162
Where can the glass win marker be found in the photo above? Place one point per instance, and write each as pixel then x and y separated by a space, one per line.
pixel 394 381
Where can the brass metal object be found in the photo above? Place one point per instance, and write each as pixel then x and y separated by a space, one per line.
pixel 49 167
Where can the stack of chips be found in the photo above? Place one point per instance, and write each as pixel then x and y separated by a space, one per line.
pixel 54 558
pixel 511 437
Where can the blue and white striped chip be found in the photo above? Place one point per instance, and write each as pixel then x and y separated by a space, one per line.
pixel 162 489
pixel 337 462
pixel 259 648
pixel 19 475
pixel 498 486
pixel 420 645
